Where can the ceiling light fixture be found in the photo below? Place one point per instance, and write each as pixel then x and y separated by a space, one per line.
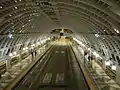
pixel 117 31
pixel 10 54
pixel 23 48
pixel 10 35
pixel 113 67
pixel 15 1
pixel 10 15
pixel 38 43
pixel 14 53
pixel 79 42
pixel 16 7
pixel 97 35
pixel 88 49
pixel 107 63
pixel 20 31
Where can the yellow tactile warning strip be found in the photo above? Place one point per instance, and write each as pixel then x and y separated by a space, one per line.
pixel 90 83
pixel 91 86
pixel 17 79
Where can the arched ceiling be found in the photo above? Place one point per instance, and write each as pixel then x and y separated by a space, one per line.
pixel 94 22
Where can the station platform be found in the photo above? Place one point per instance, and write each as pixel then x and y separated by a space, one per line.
pixel 59 44
pixel 99 78
pixel 12 73
pixel 71 59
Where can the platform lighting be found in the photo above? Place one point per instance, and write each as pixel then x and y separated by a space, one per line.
pixel 44 40
pixel 10 54
pixel 14 53
pixel 79 42
pixel 38 43
pixel 26 48
pixel 94 53
pixel 41 41
pixel 48 38
pixel 23 48
pixel 32 45
pixel 88 49
pixel 97 55
pixel 113 67
pixel 107 63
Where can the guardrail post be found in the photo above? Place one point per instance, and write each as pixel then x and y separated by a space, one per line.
pixel 104 66
pixel 20 54
pixel 118 74
pixel 8 64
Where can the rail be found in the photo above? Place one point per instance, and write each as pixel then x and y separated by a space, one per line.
pixel 25 72
pixel 88 80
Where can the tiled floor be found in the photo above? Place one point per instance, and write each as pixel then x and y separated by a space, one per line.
pixel 101 79
pixel 16 69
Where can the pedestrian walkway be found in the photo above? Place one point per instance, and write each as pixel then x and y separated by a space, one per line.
pixel 97 74
pixel 18 68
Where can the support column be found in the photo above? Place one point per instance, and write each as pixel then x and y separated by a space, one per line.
pixel 93 63
pixel 20 56
pixel 38 51
pixel 118 74
pixel 85 53
pixel 8 64
pixel 104 66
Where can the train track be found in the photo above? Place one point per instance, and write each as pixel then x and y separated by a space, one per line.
pixel 53 72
